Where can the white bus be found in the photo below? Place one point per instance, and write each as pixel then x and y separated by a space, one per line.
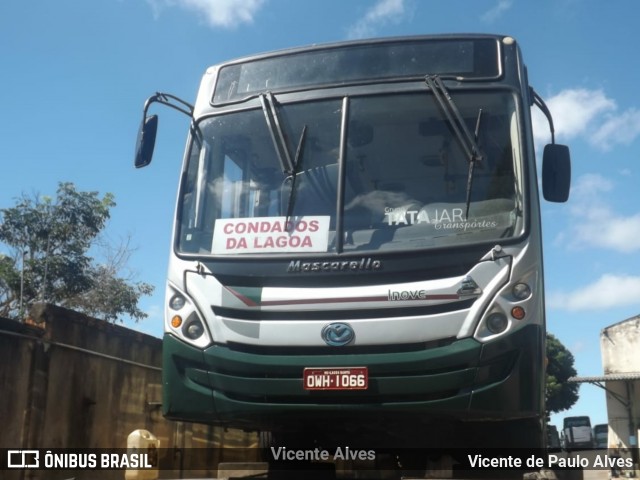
pixel 357 251
pixel 577 433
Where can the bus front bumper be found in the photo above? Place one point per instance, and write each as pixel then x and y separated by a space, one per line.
pixel 262 389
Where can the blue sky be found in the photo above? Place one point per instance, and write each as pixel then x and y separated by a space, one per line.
pixel 75 75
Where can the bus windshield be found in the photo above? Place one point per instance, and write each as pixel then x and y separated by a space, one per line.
pixel 570 422
pixel 283 179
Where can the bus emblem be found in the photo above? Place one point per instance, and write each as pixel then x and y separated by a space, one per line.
pixel 338 334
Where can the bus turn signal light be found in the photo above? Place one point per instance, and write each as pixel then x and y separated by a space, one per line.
pixel 518 313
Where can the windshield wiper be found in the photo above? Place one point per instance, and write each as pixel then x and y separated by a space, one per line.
pixel 290 167
pixel 472 164
pixel 467 140
pixel 297 163
pixel 277 135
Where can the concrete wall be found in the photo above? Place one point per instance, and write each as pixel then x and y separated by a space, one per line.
pixel 70 381
pixel 620 347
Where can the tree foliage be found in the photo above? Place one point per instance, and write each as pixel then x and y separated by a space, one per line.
pixel 561 395
pixel 48 241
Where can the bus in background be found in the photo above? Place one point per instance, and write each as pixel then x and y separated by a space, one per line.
pixel 577 433
pixel 357 251
pixel 601 436
pixel 553 443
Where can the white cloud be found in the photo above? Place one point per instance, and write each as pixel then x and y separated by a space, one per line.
pixel 603 228
pixel 216 13
pixel 497 11
pixel 608 291
pixel 622 129
pixel 573 111
pixel 589 184
pixel 383 12
pixel 581 345
pixel 594 222
pixel 588 114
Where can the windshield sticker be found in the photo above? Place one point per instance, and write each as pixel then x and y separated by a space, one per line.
pixel 271 235
pixel 402 216
pixel 467 225
pixel 441 219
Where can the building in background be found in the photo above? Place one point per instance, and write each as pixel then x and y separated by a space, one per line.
pixel 620 348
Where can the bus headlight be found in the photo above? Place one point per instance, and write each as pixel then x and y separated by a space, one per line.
pixel 497 322
pixel 193 328
pixel 177 301
pixel 184 320
pixel 521 291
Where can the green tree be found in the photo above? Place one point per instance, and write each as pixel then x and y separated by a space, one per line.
pixel 561 395
pixel 48 259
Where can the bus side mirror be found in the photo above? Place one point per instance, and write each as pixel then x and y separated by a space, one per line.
pixel 146 141
pixel 556 173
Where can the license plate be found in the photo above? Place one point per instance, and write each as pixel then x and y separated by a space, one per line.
pixel 341 378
